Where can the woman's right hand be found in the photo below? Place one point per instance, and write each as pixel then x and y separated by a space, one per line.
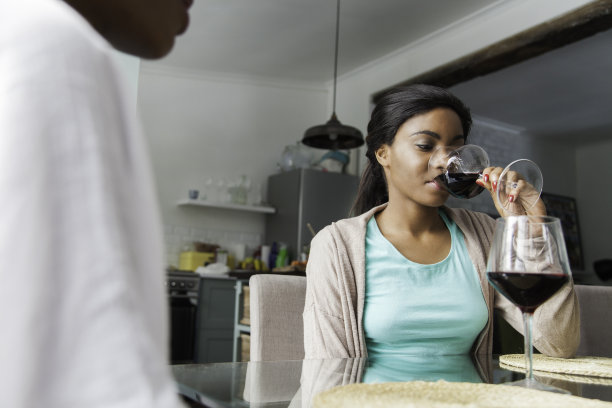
pixel 518 195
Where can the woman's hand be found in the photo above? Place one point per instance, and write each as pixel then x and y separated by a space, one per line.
pixel 517 194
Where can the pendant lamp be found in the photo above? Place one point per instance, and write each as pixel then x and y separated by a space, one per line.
pixel 333 134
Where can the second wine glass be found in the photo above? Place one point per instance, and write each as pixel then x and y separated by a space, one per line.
pixel 528 264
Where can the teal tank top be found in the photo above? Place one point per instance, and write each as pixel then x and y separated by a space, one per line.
pixel 392 368
pixel 416 309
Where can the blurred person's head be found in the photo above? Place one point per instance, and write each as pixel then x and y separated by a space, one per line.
pixel 145 28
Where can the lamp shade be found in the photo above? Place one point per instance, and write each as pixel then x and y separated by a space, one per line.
pixel 333 135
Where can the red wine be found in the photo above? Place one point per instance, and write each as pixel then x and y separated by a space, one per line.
pixel 460 185
pixel 527 290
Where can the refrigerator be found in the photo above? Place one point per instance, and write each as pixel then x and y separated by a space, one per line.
pixel 306 196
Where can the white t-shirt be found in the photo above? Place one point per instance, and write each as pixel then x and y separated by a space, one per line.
pixel 83 314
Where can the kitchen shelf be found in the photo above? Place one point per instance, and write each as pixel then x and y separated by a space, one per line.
pixel 236 207
pixel 243 328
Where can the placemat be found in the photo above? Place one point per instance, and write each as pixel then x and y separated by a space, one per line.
pixel 587 366
pixel 442 394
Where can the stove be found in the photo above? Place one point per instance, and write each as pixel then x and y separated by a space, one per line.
pixel 182 288
pixel 182 283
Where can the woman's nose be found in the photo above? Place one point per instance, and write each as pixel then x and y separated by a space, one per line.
pixel 439 158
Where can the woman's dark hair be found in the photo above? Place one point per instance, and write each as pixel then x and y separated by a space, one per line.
pixel 393 109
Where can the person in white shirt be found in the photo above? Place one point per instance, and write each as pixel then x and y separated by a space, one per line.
pixel 83 313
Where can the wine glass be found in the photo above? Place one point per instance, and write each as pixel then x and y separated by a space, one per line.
pixel 460 167
pixel 528 264
pixel 518 187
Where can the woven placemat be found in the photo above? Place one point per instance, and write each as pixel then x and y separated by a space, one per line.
pixel 442 394
pixel 586 366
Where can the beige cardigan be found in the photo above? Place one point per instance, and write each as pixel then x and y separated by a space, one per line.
pixel 333 311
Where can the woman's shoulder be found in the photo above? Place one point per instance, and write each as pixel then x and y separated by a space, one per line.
pixel 349 226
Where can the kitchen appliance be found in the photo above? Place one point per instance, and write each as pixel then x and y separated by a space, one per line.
pixel 201 317
pixel 183 291
pixel 306 197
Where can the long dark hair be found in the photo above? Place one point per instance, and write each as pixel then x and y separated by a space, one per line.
pixel 393 109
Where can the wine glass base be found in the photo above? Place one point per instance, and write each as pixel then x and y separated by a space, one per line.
pixel 536 385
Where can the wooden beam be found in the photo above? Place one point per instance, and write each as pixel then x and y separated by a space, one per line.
pixel 573 26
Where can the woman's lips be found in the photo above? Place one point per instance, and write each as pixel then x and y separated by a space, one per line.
pixel 435 185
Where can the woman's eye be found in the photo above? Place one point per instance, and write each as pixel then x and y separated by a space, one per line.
pixel 424 147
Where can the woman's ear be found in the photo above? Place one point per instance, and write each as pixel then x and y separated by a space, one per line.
pixel 382 155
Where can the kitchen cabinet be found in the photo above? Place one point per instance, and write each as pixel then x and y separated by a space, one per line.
pixel 215 320
pixel 219 327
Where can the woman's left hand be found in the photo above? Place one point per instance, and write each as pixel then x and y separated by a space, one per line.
pixel 517 196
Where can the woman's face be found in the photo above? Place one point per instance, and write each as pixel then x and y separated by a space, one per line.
pixel 406 160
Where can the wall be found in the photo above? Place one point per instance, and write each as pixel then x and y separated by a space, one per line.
pixel 203 127
pixel 594 200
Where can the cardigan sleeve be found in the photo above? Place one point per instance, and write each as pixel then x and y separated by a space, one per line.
pixel 325 331
pixel 556 323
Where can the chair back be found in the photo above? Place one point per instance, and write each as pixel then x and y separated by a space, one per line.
pixel 276 307
pixel 595 320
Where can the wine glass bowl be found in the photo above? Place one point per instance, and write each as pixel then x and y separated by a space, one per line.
pixel 528 265
pixel 459 169
pixel 519 186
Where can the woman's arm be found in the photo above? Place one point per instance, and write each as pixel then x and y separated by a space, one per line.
pixel 325 331
pixel 556 323
pixel 556 329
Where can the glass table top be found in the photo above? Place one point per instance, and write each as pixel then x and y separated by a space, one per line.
pixel 294 383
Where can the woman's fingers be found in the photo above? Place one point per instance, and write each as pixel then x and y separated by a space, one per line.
pixel 512 195
pixel 509 188
pixel 489 179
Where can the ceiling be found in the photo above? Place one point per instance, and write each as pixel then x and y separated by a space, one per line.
pixel 566 93
pixel 294 39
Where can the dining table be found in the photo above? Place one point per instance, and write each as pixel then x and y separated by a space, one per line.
pixel 294 383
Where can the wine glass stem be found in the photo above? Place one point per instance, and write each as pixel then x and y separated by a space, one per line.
pixel 527 319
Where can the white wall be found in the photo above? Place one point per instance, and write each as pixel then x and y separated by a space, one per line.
pixel 201 126
pixel 594 200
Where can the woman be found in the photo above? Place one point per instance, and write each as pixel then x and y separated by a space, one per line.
pixel 407 275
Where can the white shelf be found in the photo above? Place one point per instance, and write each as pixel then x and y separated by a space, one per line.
pixel 243 328
pixel 236 207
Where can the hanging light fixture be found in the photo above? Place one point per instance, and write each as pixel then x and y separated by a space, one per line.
pixel 333 134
